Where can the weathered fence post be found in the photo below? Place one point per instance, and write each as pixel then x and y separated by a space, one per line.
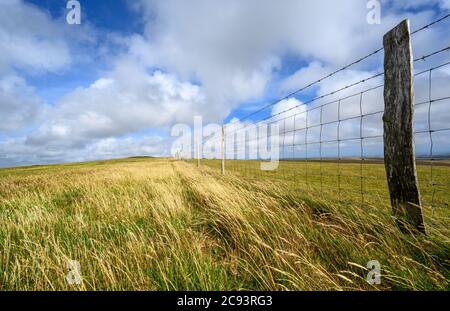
pixel 399 151
pixel 223 149
pixel 198 154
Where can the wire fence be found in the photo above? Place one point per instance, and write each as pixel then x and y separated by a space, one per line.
pixel 331 145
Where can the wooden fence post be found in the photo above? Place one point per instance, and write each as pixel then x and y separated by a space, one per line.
pixel 399 150
pixel 223 149
pixel 198 154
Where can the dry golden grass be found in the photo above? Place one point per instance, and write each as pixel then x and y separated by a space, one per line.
pixel 155 224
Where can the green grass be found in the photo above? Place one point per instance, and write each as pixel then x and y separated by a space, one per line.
pixel 350 182
pixel 158 224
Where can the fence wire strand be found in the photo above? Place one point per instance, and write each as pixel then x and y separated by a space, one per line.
pixel 306 159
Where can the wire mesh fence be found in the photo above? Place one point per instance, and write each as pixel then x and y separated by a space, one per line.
pixel 331 145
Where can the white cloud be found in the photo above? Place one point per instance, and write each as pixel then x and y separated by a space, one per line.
pixel 31 43
pixel 30 39
pixel 213 55
pixel 102 83
pixel 15 152
pixel 126 147
pixel 127 100
pixel 233 47
pixel 19 106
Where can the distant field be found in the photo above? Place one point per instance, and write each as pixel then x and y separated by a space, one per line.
pixel 358 183
pixel 159 224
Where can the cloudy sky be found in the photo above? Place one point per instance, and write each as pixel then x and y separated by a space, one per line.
pixel 114 85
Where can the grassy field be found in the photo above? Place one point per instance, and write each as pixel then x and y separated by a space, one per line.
pixel 158 224
pixel 349 181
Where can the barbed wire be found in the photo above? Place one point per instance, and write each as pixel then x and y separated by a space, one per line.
pixel 424 57
pixel 317 165
pixel 337 71
pixel 244 126
pixel 307 144
pixel 430 24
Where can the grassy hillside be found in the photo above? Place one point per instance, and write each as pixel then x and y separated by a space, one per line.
pixel 156 224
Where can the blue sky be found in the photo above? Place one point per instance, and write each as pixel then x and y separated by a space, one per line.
pixel 104 14
pixel 116 84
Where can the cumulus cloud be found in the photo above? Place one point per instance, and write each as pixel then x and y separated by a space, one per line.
pixel 32 43
pixel 17 152
pixel 19 106
pixel 233 47
pixel 30 39
pixel 192 58
pixel 127 100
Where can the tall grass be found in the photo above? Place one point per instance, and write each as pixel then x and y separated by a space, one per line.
pixel 155 224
